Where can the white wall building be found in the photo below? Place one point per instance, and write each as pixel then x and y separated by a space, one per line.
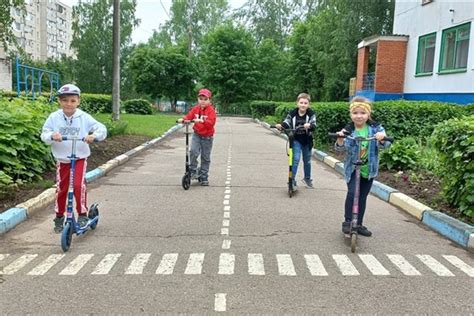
pixel 440 51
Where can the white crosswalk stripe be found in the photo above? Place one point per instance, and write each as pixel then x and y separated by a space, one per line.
pixel 373 265
pixel 403 265
pixel 461 265
pixel 76 265
pixel 195 262
pixel 167 263
pixel 285 265
pixel 255 264
pixel 106 264
pixel 4 256
pixel 315 264
pixel 18 264
pixel 345 265
pixel 138 263
pixel 47 264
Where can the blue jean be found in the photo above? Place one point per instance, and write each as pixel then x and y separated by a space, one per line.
pixel 202 146
pixel 298 148
pixel 365 185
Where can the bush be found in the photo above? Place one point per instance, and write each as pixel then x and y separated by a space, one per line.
pixel 96 103
pixel 137 106
pixel 454 139
pixel 262 108
pixel 23 156
pixel 115 127
pixel 404 154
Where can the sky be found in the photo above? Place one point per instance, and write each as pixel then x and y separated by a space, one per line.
pixel 152 13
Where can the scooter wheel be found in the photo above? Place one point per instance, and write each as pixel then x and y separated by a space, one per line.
pixel 66 237
pixel 353 242
pixel 94 212
pixel 186 182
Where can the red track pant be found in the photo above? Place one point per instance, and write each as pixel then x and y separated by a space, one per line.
pixel 62 186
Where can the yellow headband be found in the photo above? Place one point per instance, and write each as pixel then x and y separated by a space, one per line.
pixel 365 106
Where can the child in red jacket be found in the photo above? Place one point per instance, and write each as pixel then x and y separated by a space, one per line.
pixel 204 116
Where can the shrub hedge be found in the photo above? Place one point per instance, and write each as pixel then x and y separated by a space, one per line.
pixel 137 106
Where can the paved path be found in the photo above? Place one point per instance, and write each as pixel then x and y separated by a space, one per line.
pixel 240 245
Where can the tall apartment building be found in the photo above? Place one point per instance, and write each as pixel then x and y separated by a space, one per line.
pixel 44 30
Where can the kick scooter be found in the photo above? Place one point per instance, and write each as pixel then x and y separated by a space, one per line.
pixel 290 132
pixel 72 226
pixel 353 230
pixel 186 180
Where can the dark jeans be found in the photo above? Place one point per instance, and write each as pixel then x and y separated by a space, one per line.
pixel 365 185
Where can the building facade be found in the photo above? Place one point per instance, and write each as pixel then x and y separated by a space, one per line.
pixel 429 57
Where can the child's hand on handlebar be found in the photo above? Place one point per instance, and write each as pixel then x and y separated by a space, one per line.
pixel 306 125
pixel 278 126
pixel 57 137
pixel 89 139
pixel 380 136
pixel 198 120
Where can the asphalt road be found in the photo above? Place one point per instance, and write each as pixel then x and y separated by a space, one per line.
pixel 240 245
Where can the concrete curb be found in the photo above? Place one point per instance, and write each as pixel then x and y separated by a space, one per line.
pixel 12 217
pixel 455 230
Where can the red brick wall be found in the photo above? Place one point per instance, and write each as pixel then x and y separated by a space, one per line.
pixel 362 66
pixel 390 66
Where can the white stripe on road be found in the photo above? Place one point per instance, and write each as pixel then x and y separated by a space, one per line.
pixel 226 244
pixel 167 263
pixel 435 265
pixel 226 214
pixel 227 208
pixel 227 182
pixel 3 256
pixel 226 263
pixel 345 265
pixel 374 265
pixel 227 197
pixel 106 264
pixel 138 263
pixel 227 192
pixel 225 223
pixel 220 302
pixel 225 231
pixel 315 265
pixel 18 264
pixel 76 265
pixel 226 202
pixel 404 266
pixel 194 265
pixel 47 264
pixel 461 265
pixel 255 263
pixel 285 265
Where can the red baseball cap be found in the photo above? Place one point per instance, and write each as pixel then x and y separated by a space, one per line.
pixel 205 92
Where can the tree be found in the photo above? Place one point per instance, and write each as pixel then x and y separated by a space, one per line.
pixel 6 20
pixel 92 40
pixel 228 65
pixel 161 72
pixel 270 65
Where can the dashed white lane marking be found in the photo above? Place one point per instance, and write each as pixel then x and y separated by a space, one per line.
pixel 227 197
pixel 47 264
pixel 195 262
pixel 226 214
pixel 255 264
pixel 226 244
pixel 227 192
pixel 225 231
pixel 227 182
pixel 435 265
pixel 226 263
pixel 403 265
pixel 167 263
pixel 225 223
pixel 76 265
pixel 345 265
pixel 373 265
pixel 315 265
pixel 220 302
pixel 226 202
pixel 227 208
pixel 461 265
pixel 285 265
pixel 106 264
pixel 138 263
pixel 18 264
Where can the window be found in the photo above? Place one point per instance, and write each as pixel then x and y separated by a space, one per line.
pixel 454 48
pixel 426 53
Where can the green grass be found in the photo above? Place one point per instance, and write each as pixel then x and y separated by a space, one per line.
pixel 147 125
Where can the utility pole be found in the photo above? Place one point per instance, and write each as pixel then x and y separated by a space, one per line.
pixel 116 63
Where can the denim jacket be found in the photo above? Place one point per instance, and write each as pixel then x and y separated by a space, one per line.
pixel 350 147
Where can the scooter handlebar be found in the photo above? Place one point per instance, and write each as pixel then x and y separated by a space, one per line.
pixel 64 138
pixel 347 135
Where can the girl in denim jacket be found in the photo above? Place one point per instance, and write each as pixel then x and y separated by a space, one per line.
pixel 361 125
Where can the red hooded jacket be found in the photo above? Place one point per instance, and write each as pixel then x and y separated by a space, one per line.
pixel 208 114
